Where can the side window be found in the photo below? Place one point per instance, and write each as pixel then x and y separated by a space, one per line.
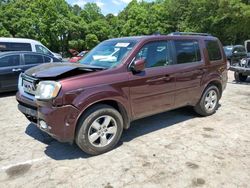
pixel 242 50
pixel 42 50
pixel 3 46
pixel 56 60
pixel 7 61
pixel 19 47
pixel 47 59
pixel 187 51
pixel 14 46
pixel 213 49
pixel 32 59
pixel 155 54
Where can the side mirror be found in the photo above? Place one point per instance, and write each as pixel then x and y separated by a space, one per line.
pixel 235 52
pixel 138 65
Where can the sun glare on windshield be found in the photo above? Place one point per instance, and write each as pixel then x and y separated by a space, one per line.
pixel 108 54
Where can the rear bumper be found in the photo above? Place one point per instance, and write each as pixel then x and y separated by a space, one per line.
pixel 59 122
pixel 239 69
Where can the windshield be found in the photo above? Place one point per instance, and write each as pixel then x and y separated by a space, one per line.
pixel 228 50
pixel 108 54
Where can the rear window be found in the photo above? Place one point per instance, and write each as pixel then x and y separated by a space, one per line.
pixel 213 49
pixel 8 61
pixel 14 46
pixel 187 51
pixel 33 59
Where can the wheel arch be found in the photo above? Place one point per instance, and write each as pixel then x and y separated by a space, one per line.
pixel 216 83
pixel 113 103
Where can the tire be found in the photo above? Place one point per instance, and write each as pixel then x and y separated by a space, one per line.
pixel 239 77
pixel 209 101
pixel 92 136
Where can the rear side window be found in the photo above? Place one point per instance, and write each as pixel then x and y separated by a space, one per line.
pixel 11 60
pixel 187 51
pixel 32 59
pixel 213 49
pixel 14 46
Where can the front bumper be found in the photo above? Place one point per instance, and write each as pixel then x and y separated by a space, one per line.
pixel 60 121
pixel 239 69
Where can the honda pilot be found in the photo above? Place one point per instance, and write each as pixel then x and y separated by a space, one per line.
pixel 121 80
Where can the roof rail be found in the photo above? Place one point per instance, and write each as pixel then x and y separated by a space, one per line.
pixel 190 33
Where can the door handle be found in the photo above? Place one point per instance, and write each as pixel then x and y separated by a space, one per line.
pixel 164 78
pixel 16 70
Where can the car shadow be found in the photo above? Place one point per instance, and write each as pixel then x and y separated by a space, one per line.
pixel 156 122
pixel 247 82
pixel 62 151
pixel 7 94
pixel 54 149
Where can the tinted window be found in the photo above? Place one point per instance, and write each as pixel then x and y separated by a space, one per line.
pixel 187 51
pixel 13 46
pixel 155 54
pixel 213 49
pixel 12 60
pixel 32 59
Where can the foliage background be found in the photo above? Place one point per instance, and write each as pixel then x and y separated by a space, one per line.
pixel 61 26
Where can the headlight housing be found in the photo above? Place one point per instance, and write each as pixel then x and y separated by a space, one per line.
pixel 47 90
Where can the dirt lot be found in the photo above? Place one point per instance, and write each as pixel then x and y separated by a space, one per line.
pixel 172 149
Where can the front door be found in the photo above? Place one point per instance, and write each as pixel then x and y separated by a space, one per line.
pixel 152 90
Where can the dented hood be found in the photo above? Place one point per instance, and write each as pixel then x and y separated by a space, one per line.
pixel 58 70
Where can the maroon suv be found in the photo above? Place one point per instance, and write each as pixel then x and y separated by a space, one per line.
pixel 119 81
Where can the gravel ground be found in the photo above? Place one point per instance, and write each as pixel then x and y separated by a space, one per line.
pixel 172 149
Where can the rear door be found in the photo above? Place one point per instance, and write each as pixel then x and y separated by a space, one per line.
pixel 10 68
pixel 190 66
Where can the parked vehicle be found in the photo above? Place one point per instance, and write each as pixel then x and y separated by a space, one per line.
pixel 78 57
pixel 241 71
pixel 13 63
pixel 22 44
pixel 235 53
pixel 91 102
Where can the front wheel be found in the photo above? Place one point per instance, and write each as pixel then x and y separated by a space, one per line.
pixel 239 77
pixel 99 129
pixel 209 101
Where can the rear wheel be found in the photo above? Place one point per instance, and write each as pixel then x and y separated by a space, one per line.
pixel 239 77
pixel 209 101
pixel 99 130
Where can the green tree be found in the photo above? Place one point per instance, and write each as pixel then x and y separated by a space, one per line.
pixel 91 12
pixel 91 41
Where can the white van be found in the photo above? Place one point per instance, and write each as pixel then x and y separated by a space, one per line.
pixel 22 44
